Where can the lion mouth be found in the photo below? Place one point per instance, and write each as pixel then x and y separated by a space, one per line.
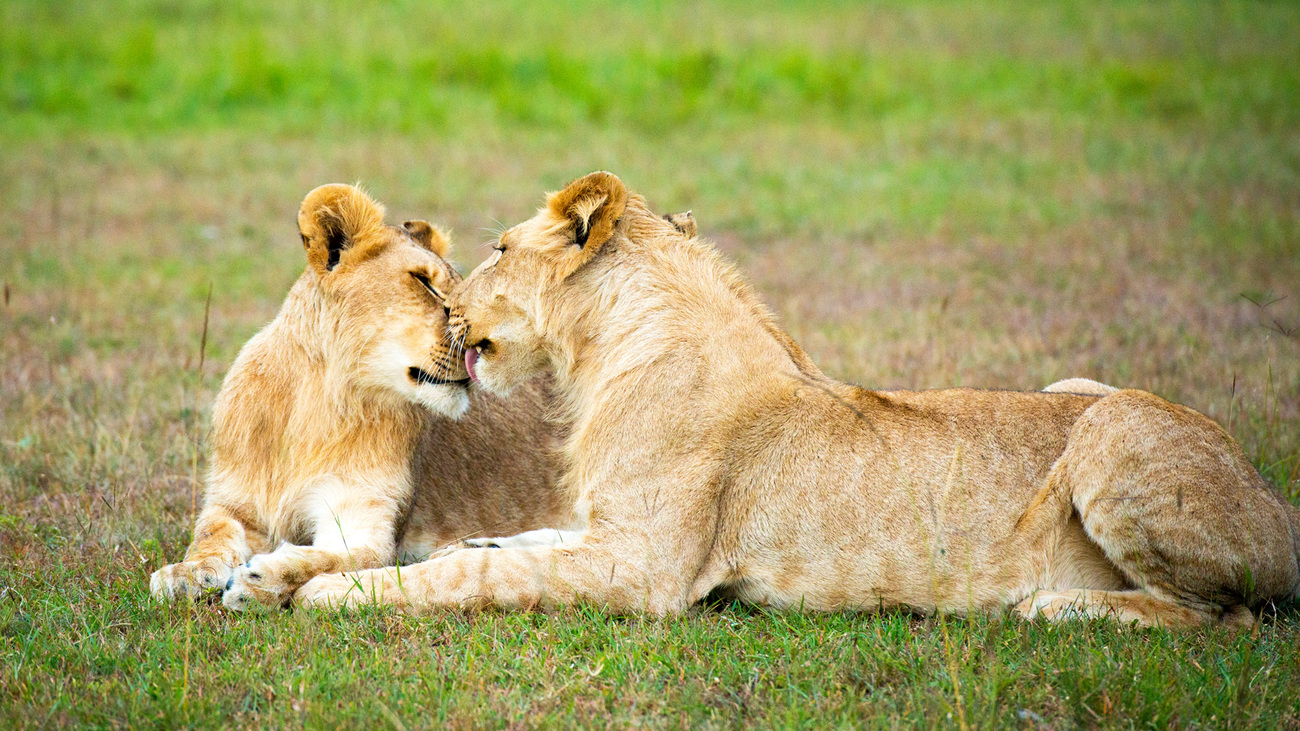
pixel 419 375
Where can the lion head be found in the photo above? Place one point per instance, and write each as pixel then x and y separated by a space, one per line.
pixel 380 302
pixel 505 310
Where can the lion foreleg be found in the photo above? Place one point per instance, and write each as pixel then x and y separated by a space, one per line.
pixel 508 578
pixel 221 542
pixel 350 536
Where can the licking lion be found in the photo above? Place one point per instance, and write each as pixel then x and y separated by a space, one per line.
pixel 706 453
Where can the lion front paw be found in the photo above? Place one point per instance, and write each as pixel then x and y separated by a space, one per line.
pixel 336 591
pixel 259 583
pixel 327 591
pixel 189 579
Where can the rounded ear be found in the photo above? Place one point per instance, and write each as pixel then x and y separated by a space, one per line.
pixel 333 219
pixel 594 203
pixel 429 236
pixel 684 222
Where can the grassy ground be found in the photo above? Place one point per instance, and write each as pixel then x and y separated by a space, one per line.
pixel 928 195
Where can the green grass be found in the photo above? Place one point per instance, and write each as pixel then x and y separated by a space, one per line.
pixel 928 195
pixel 720 667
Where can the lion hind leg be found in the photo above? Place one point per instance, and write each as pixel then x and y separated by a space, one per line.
pixel 1123 606
pixel 1173 502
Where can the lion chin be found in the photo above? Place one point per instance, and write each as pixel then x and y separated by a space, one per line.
pixel 452 405
pixel 709 454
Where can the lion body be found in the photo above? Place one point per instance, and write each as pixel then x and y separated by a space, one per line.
pixel 709 455
pixel 285 437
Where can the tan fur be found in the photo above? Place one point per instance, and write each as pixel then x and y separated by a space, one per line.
pixel 1085 386
pixel 323 440
pixel 709 455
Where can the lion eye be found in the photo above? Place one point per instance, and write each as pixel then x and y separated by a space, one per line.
pixel 423 280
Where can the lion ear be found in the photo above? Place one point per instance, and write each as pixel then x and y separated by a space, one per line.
pixel 593 203
pixel 333 219
pixel 429 236
pixel 684 222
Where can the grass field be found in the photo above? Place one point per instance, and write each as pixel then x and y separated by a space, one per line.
pixel 928 195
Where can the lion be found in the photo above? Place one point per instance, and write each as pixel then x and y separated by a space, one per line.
pixel 710 456
pixel 345 430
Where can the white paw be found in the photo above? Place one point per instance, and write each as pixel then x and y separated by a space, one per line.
pixel 539 538
pixel 189 579
pixel 257 583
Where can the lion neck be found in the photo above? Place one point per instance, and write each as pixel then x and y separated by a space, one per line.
pixel 668 311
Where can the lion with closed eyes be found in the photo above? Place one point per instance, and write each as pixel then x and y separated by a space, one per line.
pixel 345 435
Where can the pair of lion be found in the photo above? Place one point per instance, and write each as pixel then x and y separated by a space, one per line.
pixel 660 439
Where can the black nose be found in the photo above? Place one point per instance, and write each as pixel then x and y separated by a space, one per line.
pixel 230 582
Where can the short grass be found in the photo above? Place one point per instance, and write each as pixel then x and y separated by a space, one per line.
pixel 928 195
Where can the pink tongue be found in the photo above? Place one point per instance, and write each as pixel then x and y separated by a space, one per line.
pixel 471 357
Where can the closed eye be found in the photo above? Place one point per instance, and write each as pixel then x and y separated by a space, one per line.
pixel 424 281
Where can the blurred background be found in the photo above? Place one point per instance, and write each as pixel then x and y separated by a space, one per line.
pixel 927 194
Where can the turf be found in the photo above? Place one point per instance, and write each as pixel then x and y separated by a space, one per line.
pixel 931 194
